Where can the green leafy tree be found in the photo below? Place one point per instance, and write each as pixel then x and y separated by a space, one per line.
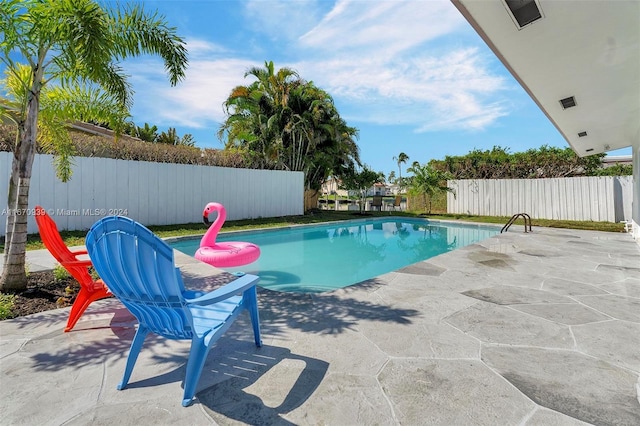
pixel 283 122
pixel 360 181
pixel 170 137
pixel 187 140
pixel 499 163
pixel 427 182
pixel 66 44
pixel 615 170
pixel 402 158
pixel 130 128
pixel 147 133
pixel 392 177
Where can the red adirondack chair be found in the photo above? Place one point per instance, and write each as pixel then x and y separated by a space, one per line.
pixel 90 289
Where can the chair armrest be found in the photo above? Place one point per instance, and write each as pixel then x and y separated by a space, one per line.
pixel 86 263
pixel 78 252
pixel 224 292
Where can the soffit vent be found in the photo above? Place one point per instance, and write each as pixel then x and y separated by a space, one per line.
pixel 582 134
pixel 589 150
pixel 524 12
pixel 568 102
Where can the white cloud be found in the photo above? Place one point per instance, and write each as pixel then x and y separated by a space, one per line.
pixel 431 93
pixel 385 62
pixel 198 48
pixel 389 62
pixel 195 102
pixel 283 19
pixel 382 27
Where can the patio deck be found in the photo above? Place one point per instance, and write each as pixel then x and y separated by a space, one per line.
pixel 521 329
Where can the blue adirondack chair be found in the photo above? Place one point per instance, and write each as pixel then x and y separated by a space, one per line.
pixel 139 269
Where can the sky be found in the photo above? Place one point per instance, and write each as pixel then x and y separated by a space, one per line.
pixel 411 75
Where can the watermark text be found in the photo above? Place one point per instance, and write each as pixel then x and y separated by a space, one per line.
pixel 66 212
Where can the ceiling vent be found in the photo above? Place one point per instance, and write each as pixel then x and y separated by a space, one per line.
pixel 568 102
pixel 524 12
pixel 582 134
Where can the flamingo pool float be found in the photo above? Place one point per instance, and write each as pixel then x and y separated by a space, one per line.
pixel 227 254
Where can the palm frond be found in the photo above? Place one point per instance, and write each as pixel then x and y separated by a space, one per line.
pixel 135 32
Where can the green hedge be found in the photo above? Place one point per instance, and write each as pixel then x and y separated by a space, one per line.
pixel 128 148
pixel 418 205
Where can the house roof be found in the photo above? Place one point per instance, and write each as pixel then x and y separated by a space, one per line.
pixel 588 50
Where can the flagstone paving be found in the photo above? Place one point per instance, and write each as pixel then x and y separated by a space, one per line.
pixel 541 328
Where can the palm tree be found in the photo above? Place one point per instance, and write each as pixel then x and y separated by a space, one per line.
pixel 401 159
pixel 147 133
pixel 427 181
pixel 187 140
pixel 74 43
pixel 392 177
pixel 170 137
pixel 283 122
pixel 274 85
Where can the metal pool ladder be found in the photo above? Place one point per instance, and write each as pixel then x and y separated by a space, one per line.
pixel 526 217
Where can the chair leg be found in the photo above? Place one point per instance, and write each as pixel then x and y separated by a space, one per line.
pixel 197 358
pixel 251 302
pixel 136 345
pixel 82 302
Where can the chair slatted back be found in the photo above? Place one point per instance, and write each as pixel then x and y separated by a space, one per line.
pixel 377 201
pixel 138 267
pixel 52 240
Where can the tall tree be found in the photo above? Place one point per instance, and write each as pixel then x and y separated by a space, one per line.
pixel 427 181
pixel 392 177
pixel 283 122
pixel 401 159
pixel 72 43
pixel 360 181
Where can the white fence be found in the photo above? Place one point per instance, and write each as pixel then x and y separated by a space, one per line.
pixel 152 193
pixel 600 199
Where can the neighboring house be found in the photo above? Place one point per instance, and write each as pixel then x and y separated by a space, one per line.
pixel 579 63
pixel 612 160
pixel 377 189
pixel 393 189
pixel 384 190
pixel 332 187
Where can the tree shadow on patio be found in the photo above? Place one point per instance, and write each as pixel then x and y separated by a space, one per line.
pixel 239 381
pixel 96 342
pixel 325 313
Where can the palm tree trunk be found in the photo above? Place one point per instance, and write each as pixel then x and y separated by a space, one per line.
pixel 14 277
pixel 11 200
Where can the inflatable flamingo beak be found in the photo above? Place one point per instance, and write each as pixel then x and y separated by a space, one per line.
pixel 205 219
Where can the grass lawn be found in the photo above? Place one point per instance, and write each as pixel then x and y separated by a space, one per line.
pixel 76 238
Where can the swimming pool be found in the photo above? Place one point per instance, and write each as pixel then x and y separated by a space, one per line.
pixel 319 258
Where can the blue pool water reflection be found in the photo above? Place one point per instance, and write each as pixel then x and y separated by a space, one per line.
pixel 320 258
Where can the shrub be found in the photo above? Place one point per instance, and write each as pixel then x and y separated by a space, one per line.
pixel 59 273
pixel 127 148
pixel 6 305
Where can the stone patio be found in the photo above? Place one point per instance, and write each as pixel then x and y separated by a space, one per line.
pixel 540 328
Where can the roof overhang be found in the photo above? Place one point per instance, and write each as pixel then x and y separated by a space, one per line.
pixel 589 50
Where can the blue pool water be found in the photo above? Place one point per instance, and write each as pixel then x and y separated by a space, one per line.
pixel 313 259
